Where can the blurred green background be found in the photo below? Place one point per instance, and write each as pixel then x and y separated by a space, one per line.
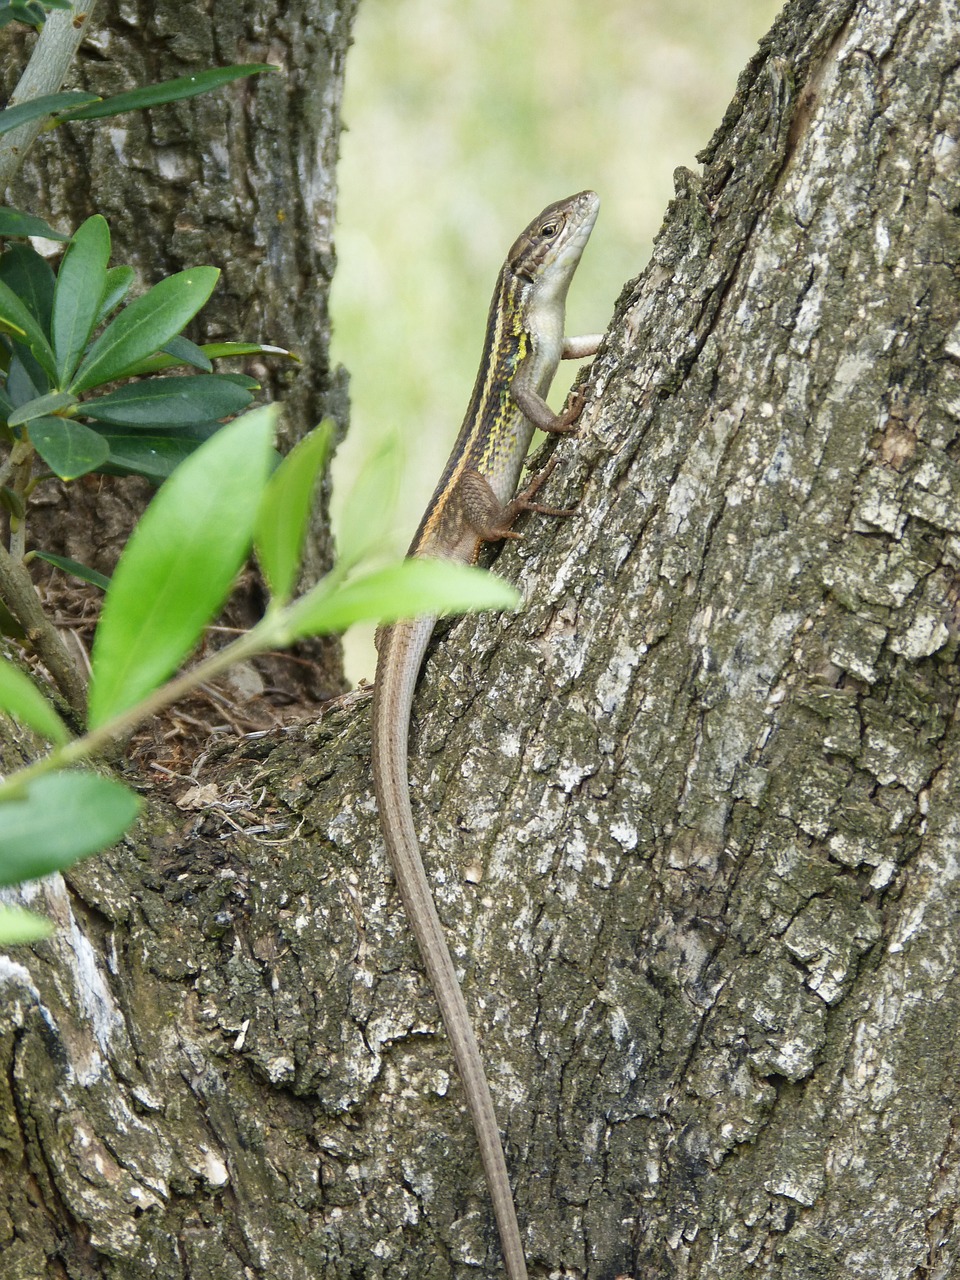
pixel 464 118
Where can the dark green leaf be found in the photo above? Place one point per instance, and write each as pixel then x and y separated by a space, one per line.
pixel 19 322
pixel 41 406
pixel 63 817
pixel 169 402
pixel 75 569
pixel 21 698
pixel 284 513
pixel 154 95
pixel 9 626
pixel 81 283
pixel 68 448
pixel 241 380
pixel 17 924
pixel 186 352
pixel 12 502
pixel 14 117
pixel 153 455
pixel 30 277
pixel 410 589
pixel 144 326
pixel 119 280
pixel 30 12
pixel 25 379
pixel 13 222
pixel 180 562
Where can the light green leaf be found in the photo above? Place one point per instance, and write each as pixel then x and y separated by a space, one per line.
pixel 19 925
pixel 74 568
pixel 62 817
pixel 411 589
pixel 285 511
pixel 367 516
pixel 14 222
pixel 170 402
pixel 81 283
pixel 43 105
pixel 21 698
pixel 144 326
pixel 154 95
pixel 178 567
pixel 39 407
pixel 68 448
pixel 20 323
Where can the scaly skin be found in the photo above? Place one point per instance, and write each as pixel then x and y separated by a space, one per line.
pixel 474 503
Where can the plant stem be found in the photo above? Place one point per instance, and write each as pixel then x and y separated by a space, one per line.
pixel 259 640
pixel 52 55
pixel 20 597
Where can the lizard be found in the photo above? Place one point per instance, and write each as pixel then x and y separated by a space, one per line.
pixel 475 502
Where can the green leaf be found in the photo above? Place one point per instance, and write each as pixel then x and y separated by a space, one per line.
pixel 144 326
pixel 40 406
pixel 63 816
pixel 30 277
pixel 14 117
pixel 20 323
pixel 154 455
pixel 12 502
pixel 68 448
pixel 169 402
pixel 26 381
pixel 284 513
pixel 154 95
pixel 186 352
pixel 81 284
pixel 229 350
pixel 411 589
pixel 241 380
pixel 19 925
pixel 210 350
pixel 74 568
pixel 367 516
pixel 21 698
pixel 9 626
pixel 13 222
pixel 119 280
pixel 180 562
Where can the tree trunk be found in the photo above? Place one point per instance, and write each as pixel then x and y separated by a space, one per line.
pixel 243 179
pixel 691 815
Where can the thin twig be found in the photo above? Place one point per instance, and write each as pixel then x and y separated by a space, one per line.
pixel 44 73
pixel 20 597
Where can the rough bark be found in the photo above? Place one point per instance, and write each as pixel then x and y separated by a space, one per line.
pixel 243 179
pixel 691 815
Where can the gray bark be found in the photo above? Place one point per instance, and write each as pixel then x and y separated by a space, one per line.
pixel 691 815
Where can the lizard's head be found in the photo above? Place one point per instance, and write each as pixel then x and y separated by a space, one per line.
pixel 549 249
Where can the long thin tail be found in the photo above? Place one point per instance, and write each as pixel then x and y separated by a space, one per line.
pixel 402 647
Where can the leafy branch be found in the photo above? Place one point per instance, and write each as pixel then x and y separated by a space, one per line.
pixel 170 582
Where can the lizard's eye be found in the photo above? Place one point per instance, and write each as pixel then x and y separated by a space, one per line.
pixel 549 230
